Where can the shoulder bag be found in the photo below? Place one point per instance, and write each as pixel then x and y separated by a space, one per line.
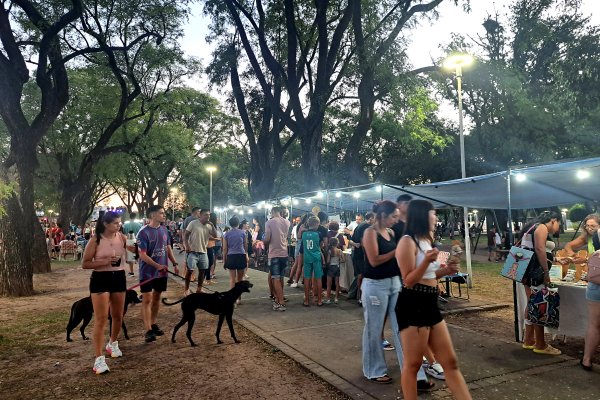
pixel 517 262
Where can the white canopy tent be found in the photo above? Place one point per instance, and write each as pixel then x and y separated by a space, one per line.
pixel 537 186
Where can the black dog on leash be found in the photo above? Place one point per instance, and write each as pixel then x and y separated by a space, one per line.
pixel 220 304
pixel 82 310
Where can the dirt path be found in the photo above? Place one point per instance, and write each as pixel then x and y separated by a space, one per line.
pixel 36 361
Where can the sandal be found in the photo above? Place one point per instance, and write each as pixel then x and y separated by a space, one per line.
pixel 306 304
pixel 549 350
pixel 527 347
pixel 585 367
pixel 382 379
pixel 425 386
pixel 319 304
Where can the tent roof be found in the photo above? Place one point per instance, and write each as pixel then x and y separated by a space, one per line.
pixel 537 186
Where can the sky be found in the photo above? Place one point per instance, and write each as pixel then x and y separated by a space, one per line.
pixel 426 39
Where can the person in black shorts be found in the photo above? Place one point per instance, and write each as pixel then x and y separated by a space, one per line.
pixel 105 254
pixel 155 251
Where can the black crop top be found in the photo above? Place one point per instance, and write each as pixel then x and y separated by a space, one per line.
pixel 389 268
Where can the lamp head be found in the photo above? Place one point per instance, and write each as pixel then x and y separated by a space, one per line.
pixel 211 169
pixel 456 61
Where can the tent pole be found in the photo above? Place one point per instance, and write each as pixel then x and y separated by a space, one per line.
pixel 510 242
pixel 468 246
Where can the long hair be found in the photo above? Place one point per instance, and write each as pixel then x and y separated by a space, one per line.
pixel 544 218
pixel 417 220
pixel 107 218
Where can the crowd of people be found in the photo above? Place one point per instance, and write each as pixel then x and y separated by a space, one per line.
pixel 396 265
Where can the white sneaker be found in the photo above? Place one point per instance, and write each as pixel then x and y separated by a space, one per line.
pixel 100 366
pixel 278 307
pixel 112 348
pixel 327 301
pixel 336 300
pixel 436 371
pixel 295 284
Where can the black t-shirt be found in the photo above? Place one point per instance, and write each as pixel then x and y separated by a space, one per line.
pixel 357 236
pixel 398 229
pixel 389 268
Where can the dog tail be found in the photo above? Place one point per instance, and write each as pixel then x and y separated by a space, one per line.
pixel 72 316
pixel 164 301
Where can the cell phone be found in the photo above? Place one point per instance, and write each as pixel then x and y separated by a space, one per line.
pixel 443 257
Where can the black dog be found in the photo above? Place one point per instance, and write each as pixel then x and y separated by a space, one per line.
pixel 83 310
pixel 220 304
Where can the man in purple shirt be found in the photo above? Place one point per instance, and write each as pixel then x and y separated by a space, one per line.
pixel 276 231
pixel 154 250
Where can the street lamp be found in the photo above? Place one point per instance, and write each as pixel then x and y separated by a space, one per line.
pixel 210 171
pixel 456 62
pixel 173 194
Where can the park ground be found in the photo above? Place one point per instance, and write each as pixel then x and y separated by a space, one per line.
pixel 37 362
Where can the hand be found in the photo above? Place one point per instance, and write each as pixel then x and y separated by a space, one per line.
pixel 431 255
pixel 114 261
pixel 162 267
pixel 546 278
pixel 564 261
pixel 453 268
pixel 176 269
pixel 130 248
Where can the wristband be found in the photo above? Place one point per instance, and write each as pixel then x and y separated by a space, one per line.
pixel 175 264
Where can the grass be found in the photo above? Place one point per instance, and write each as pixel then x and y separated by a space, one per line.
pixel 488 283
pixel 29 332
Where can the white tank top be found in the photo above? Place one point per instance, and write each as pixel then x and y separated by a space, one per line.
pixel 424 246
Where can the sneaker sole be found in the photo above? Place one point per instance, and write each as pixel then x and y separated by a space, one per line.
pixel 100 372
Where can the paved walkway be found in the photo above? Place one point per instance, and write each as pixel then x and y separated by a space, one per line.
pixel 327 341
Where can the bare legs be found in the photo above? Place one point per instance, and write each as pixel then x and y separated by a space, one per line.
pixel 592 336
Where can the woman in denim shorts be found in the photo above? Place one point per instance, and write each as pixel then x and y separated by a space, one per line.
pixel 589 239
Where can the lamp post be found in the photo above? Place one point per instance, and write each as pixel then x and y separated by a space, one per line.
pixel 210 171
pixel 173 194
pixel 456 62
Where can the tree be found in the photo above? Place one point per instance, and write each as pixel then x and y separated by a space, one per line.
pixel 54 33
pixel 532 95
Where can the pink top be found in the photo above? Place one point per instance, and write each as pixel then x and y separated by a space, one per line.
pixel 108 248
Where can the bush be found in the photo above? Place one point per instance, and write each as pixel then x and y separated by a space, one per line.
pixel 578 212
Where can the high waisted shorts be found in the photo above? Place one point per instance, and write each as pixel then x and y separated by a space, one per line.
pixel 418 306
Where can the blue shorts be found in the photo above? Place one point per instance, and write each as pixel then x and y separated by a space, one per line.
pixel 592 293
pixel 333 271
pixel 197 260
pixel 277 267
pixel 313 267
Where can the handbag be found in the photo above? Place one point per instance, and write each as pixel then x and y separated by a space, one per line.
pixel 594 268
pixel 516 266
pixel 543 307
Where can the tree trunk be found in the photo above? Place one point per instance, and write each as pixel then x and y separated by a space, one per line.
pixel 16 272
pixel 75 200
pixel 354 172
pixel 262 183
pixel 40 259
pixel 312 144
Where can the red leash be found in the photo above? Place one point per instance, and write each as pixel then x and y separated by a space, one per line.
pixel 149 280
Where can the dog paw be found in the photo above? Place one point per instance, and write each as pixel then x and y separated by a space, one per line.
pixel 237 341
pixel 193 345
pixel 69 340
pixel 219 342
pixel 86 338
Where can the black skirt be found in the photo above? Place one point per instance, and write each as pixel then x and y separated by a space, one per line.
pixel 418 306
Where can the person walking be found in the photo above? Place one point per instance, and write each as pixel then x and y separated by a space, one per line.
pixel 105 254
pixel 419 319
pixel 155 253
pixel 276 230
pixel 195 242
pixel 131 229
pixel 235 256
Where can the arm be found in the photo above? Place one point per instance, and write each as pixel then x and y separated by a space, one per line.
pixel 406 257
pixel 88 257
pixel 267 238
pixel 186 236
pixel 342 256
pixel 372 249
pixel 225 249
pixel 578 242
pixel 541 233
pixel 172 258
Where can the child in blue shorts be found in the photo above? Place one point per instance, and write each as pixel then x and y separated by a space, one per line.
pixel 312 260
